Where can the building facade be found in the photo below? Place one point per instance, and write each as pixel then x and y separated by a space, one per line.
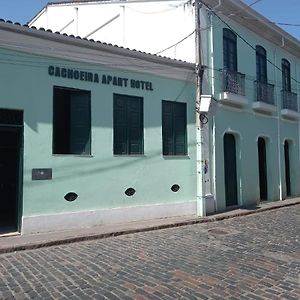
pixel 109 134
pixel 88 133
pixel 254 73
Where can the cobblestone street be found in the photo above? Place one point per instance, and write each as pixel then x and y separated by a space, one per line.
pixel 251 257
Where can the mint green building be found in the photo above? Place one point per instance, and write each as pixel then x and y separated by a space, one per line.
pixel 252 70
pixel 91 133
pixel 97 134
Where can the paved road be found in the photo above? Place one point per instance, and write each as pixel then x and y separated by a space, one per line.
pixel 253 257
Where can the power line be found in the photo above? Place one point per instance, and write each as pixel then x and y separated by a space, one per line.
pixel 253 3
pixel 180 41
pixel 151 12
pixel 242 38
pixel 237 14
pixel 267 21
pixel 174 45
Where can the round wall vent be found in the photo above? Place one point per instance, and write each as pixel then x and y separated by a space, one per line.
pixel 175 188
pixel 71 196
pixel 130 192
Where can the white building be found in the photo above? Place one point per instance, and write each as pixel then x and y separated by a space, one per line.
pixel 133 24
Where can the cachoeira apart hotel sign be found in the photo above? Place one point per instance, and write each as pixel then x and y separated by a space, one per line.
pixel 96 78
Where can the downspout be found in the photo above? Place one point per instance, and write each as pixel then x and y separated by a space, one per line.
pixel 278 131
pixel 76 21
pixel 47 16
pixel 298 107
pixel 123 25
pixel 200 179
pixel 213 138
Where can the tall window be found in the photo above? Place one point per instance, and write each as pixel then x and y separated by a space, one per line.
pixel 229 50
pixel 286 75
pixel 128 125
pixel 71 121
pixel 261 65
pixel 174 128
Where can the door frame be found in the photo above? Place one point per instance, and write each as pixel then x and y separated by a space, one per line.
pixel 19 187
pixel 266 142
pixel 290 144
pixel 237 139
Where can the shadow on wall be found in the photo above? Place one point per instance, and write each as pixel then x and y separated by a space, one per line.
pixel 106 165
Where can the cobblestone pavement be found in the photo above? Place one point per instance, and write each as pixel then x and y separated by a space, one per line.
pixel 252 257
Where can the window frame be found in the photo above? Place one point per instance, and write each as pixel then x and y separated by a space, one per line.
pixel 230 49
pixel 174 151
pixel 286 75
pixel 261 64
pixel 88 145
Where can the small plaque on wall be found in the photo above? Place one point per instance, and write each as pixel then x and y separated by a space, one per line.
pixel 41 174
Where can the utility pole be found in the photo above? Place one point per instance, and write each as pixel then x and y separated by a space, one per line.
pixel 200 118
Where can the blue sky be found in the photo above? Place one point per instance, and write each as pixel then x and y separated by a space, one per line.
pixel 278 11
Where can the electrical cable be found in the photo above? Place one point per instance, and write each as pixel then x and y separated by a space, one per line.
pixel 256 20
pixel 158 12
pixel 174 45
pixel 253 3
pixel 242 38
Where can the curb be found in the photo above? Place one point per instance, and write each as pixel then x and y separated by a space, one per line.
pixel 37 245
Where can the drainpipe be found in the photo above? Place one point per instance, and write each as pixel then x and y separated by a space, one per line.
pixel 278 130
pixel 213 138
pixel 124 25
pixel 201 200
pixel 47 16
pixel 298 107
pixel 76 21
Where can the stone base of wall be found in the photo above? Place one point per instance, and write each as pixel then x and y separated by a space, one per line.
pixel 85 219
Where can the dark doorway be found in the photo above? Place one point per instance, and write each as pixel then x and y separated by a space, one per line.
pixel 287 168
pixel 230 170
pixel 10 172
pixel 262 165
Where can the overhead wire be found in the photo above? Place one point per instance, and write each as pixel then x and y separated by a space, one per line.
pixel 242 38
pixel 253 3
pixel 237 14
pixel 174 45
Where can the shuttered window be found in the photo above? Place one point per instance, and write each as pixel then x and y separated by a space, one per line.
pixel 229 50
pixel 286 75
pixel 174 128
pixel 128 125
pixel 261 64
pixel 71 121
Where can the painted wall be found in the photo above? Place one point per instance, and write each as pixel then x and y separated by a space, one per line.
pixel 247 125
pixel 100 179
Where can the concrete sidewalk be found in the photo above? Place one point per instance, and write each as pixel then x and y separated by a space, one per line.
pixel 27 242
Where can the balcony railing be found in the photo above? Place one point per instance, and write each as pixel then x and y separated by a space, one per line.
pixel 264 92
pixel 233 82
pixel 289 100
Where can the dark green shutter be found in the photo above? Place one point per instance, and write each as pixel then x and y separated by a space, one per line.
pixel 230 170
pixel 135 126
pixel 120 125
pixel 229 50
pixel 128 124
pixel 174 128
pixel 80 123
pixel 167 128
pixel 180 129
